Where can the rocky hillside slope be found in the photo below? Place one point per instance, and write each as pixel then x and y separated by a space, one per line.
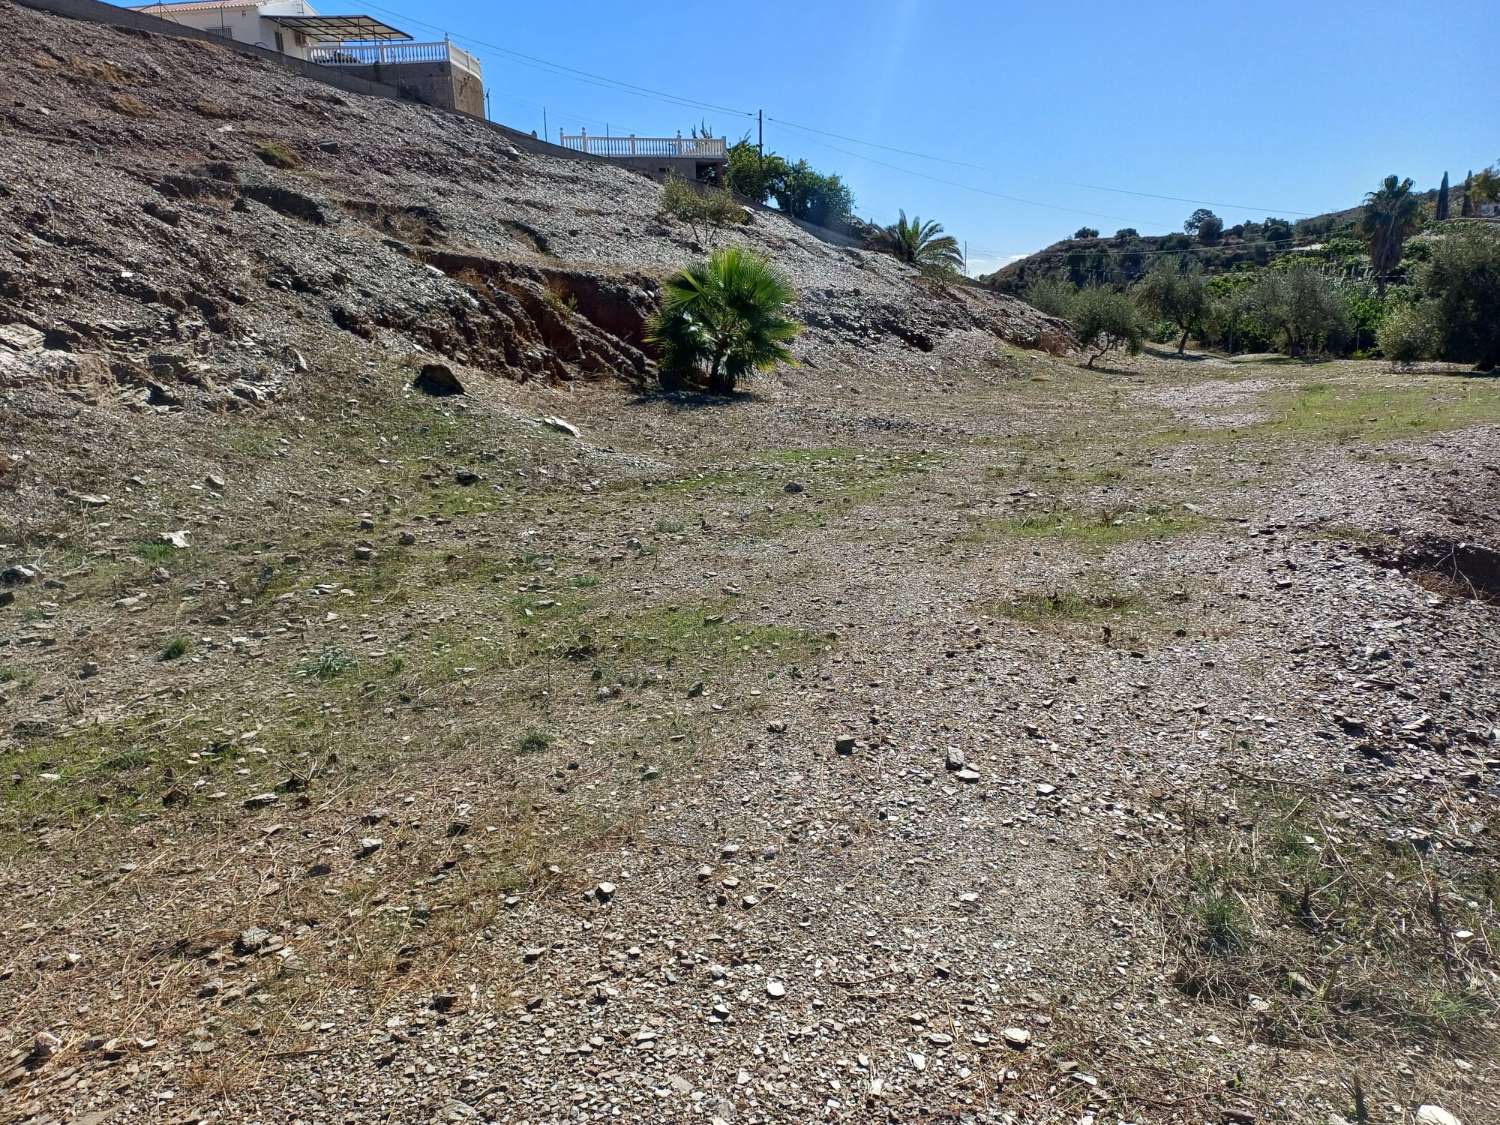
pixel 171 203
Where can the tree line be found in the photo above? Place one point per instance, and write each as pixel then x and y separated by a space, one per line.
pixel 1370 288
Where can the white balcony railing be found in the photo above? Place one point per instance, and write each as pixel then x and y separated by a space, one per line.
pixel 393 54
pixel 703 148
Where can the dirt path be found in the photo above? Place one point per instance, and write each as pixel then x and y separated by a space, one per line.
pixel 550 812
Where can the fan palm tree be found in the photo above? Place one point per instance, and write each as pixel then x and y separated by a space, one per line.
pixel 724 318
pixel 924 245
pixel 1391 213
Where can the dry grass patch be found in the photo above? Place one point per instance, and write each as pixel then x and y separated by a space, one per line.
pixel 1320 931
pixel 129 105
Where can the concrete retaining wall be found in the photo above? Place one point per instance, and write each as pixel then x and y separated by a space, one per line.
pixel 434 83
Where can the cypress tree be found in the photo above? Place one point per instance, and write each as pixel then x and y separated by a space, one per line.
pixel 1442 200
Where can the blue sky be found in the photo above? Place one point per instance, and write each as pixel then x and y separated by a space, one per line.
pixel 1275 107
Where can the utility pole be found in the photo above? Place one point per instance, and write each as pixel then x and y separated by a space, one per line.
pixel 966 257
pixel 487 115
pixel 760 134
pixel 546 133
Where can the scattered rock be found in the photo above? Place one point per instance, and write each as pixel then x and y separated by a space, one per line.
pixel 17 575
pixel 561 425
pixel 466 477
pixel 252 940
pixel 44 1045
pixel 775 989
pixel 1436 1115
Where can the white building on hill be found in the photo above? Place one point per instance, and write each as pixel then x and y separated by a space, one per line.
pixel 439 73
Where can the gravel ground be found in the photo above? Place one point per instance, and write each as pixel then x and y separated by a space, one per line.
pixel 842 751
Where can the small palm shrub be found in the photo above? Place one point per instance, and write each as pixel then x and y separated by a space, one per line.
pixel 924 245
pixel 723 319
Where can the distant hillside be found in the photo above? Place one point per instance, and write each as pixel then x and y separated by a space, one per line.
pixel 1123 257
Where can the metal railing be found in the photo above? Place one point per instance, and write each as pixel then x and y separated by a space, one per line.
pixel 703 148
pixel 392 54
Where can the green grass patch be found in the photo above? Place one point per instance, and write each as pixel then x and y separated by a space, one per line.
pixel 175 649
pixel 154 551
pixel 278 155
pixel 696 639
pixel 1089 608
pixel 329 664
pixel 1354 412
pixel 21 677
pixel 1097 530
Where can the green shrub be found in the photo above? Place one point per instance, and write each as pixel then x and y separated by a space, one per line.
pixel 752 175
pixel 1460 293
pixel 1303 306
pixel 705 209
pixel 1052 294
pixel 1406 335
pixel 813 196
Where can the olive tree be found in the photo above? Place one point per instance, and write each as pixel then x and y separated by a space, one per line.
pixel 1105 319
pixel 1175 293
pixel 1303 305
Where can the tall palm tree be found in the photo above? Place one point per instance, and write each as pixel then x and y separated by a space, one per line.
pixel 724 318
pixel 1391 213
pixel 925 245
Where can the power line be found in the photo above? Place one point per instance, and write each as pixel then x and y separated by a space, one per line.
pixel 1181 199
pixel 875 144
pixel 695 103
pixel 1068 183
pixel 971 187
